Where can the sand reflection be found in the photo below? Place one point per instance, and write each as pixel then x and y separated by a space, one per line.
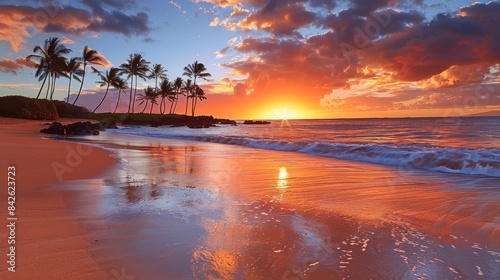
pixel 282 178
pixel 214 212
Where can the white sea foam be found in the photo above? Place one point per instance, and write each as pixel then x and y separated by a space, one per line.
pixel 407 157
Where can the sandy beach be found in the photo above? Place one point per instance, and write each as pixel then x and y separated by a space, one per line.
pixel 49 242
pixel 178 209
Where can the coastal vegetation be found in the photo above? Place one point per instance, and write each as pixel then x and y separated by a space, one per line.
pixel 52 63
pixel 27 108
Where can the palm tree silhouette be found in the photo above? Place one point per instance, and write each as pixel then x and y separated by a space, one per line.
pixel 177 87
pixel 91 57
pixel 120 84
pixel 143 98
pixel 187 89
pixel 42 73
pixel 108 79
pixel 198 93
pixel 136 66
pixel 150 95
pixel 50 63
pixel 157 72
pixel 73 71
pixel 165 91
pixel 194 71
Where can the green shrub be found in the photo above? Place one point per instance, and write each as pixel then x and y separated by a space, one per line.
pixel 65 110
pixel 27 108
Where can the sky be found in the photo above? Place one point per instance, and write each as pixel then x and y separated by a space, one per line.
pixel 275 59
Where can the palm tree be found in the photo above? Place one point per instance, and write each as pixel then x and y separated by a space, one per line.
pixel 150 95
pixel 165 91
pixel 58 70
pixel 187 89
pixel 73 71
pixel 157 72
pixel 136 66
pixel 120 84
pixel 50 62
pixel 143 98
pixel 91 57
pixel 42 72
pixel 198 93
pixel 108 79
pixel 177 87
pixel 196 70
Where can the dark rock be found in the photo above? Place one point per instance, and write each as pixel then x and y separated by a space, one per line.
pixel 55 128
pixel 255 122
pixel 225 121
pixel 107 124
pixel 78 128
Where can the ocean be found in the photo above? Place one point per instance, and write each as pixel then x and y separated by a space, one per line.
pixel 451 145
pixel 299 199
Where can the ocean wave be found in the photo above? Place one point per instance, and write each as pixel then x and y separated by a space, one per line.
pixel 450 160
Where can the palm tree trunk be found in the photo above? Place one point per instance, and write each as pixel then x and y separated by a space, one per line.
pixel 48 87
pixel 135 93
pixel 69 87
pixel 104 97
pixel 151 111
pixel 144 107
pixel 40 91
pixel 81 84
pixel 162 108
pixel 194 96
pixel 187 102
pixel 171 106
pixel 53 86
pixel 118 101
pixel 193 105
pixel 176 101
pixel 131 88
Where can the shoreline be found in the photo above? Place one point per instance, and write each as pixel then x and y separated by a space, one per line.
pixel 191 209
pixel 50 244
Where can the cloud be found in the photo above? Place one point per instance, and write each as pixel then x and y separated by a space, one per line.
pixel 232 3
pixel 18 22
pixel 365 43
pixel 178 6
pixel 14 66
pixel 239 11
pixel 464 99
pixel 150 40
pixel 67 41
pixel 214 22
pixel 223 86
pixel 106 63
pixel 280 18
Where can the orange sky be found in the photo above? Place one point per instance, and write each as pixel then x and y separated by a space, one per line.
pixel 280 59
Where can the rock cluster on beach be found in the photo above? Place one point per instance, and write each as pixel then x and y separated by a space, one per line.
pixel 77 128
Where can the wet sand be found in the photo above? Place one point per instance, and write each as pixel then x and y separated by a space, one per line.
pixel 50 244
pixel 189 210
